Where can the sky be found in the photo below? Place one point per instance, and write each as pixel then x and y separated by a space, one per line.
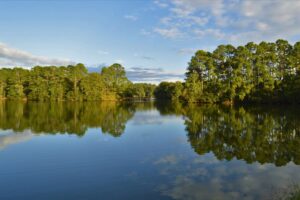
pixel 153 39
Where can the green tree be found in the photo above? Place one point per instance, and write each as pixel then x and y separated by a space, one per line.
pixel 194 87
pixel 92 87
pixel 16 83
pixel 75 75
pixel 224 56
pixel 4 74
pixel 169 91
pixel 115 79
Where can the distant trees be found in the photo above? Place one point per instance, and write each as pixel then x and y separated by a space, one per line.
pixel 169 90
pixel 140 91
pixel 264 72
pixel 70 83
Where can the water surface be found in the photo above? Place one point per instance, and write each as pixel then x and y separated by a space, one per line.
pixel 147 151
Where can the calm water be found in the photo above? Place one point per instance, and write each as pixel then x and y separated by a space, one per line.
pixel 147 151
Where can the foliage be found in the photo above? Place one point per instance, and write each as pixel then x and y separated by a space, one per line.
pixel 169 91
pixel 72 83
pixel 266 72
pixel 114 77
pixel 140 91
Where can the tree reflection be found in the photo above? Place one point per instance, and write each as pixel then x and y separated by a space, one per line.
pixel 265 135
pixel 253 134
pixel 65 117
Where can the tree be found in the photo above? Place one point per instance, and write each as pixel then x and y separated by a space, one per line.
pixel 16 83
pixel 115 79
pixel 92 87
pixel 57 84
pixel 242 73
pixel 194 87
pixel 169 91
pixel 38 84
pixel 75 74
pixel 283 50
pixel 4 74
pixel 43 83
pixel 225 69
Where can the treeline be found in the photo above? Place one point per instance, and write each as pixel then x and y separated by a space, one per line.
pixel 265 72
pixel 71 82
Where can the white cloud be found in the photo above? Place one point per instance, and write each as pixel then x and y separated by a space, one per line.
pixel 131 17
pixel 184 15
pixel 273 18
pixel 262 26
pixel 231 20
pixel 199 20
pixel 216 33
pixel 168 33
pixel 187 51
pixel 10 57
pixel 153 75
pixel 161 4
pixel 166 20
pixel 189 7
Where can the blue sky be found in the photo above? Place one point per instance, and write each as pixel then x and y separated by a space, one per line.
pixel 153 40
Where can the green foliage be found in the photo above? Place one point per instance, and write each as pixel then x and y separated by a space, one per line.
pixel 140 91
pixel 75 75
pixel 72 83
pixel 264 72
pixel 194 87
pixel 16 82
pixel 114 77
pixel 169 91
pixel 92 87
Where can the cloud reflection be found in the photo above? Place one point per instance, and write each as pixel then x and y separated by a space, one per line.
pixel 197 179
pixel 13 138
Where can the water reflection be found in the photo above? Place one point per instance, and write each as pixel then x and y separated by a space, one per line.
pixel 251 136
pixel 164 150
pixel 9 138
pixel 205 177
pixel 264 135
pixel 71 118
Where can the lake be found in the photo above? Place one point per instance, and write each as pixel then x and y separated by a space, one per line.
pixel 147 151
